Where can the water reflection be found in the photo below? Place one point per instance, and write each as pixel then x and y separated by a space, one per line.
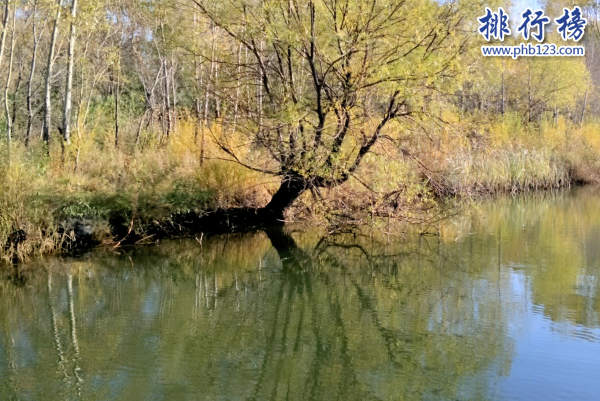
pixel 291 315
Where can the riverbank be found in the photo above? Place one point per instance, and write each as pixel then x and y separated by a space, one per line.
pixel 96 195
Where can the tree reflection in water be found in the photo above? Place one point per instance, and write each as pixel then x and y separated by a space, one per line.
pixel 280 315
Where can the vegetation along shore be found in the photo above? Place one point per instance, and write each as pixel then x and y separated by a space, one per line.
pixel 125 122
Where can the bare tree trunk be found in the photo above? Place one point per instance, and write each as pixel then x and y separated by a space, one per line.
pixel 47 99
pixel 502 104
pixel 15 102
pixel 167 97
pixel 248 90
pixel 174 90
pixel 81 96
pixel 139 130
pixel 217 99
pixel 82 116
pixel 89 100
pixel 198 81
pixel 555 108
pixel 4 29
pixel 149 93
pixel 205 122
pixel 584 105
pixel 198 119
pixel 117 111
pixel 260 95
pixel 8 77
pixel 69 85
pixel 237 90
pixel 208 89
pixel 529 94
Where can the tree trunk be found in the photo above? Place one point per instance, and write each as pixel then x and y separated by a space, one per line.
pixel 167 97
pixel 8 77
pixel 15 102
pixel 584 105
pixel 117 111
pixel 290 189
pixel 529 95
pixel 139 130
pixel 210 76
pixel 69 84
pixel 502 105
pixel 198 121
pixel 174 90
pixel 4 29
pixel 47 99
pixel 237 90
pixel 217 99
pixel 260 95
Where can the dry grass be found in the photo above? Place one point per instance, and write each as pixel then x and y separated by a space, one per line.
pixel 505 156
pixel 95 180
pixel 150 182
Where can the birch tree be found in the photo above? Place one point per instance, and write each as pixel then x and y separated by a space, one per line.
pixel 69 85
pixel 4 29
pixel 47 99
pixel 9 123
pixel 36 41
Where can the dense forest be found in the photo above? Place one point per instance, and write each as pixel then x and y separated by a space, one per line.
pixel 336 110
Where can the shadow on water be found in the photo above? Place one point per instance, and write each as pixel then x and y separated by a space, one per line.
pixel 278 314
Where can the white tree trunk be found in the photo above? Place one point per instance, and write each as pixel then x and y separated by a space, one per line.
pixel 237 90
pixel 47 100
pixel 8 77
pixel 69 85
pixel 4 28
pixel 208 89
pixel 36 42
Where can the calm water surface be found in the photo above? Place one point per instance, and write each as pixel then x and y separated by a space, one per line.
pixel 507 308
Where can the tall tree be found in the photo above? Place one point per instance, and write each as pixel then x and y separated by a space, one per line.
pixel 34 51
pixel 9 121
pixel 69 84
pixel 49 66
pixel 4 28
pixel 362 64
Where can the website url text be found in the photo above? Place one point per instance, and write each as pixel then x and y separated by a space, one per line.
pixel 528 49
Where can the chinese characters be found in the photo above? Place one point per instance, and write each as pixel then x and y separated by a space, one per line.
pixel 571 25
pixel 539 21
pixel 494 24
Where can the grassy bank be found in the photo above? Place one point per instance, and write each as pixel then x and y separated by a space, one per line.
pixel 153 181
pixel 150 182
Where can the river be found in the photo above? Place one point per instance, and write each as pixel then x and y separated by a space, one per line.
pixel 501 307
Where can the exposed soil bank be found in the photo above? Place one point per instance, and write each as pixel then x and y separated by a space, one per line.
pixel 84 233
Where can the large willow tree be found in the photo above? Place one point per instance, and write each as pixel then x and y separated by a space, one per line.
pixel 328 79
